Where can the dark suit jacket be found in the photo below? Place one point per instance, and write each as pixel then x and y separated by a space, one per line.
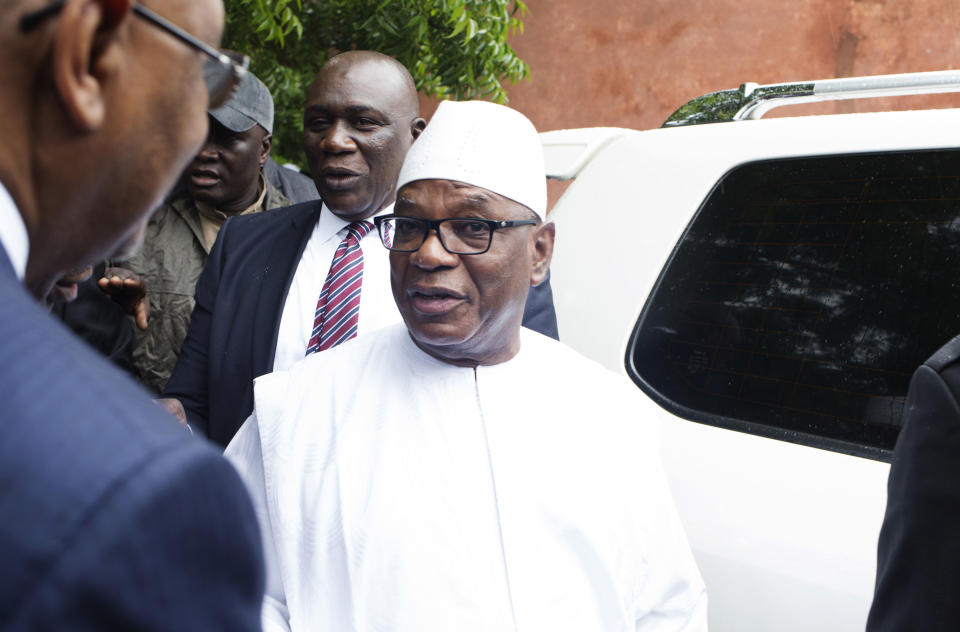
pixel 112 517
pixel 918 560
pixel 239 301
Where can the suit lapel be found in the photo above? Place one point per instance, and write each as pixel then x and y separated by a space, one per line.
pixel 283 255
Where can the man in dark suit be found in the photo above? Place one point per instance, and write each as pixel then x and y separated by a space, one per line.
pixel 257 298
pixel 112 517
pixel 918 560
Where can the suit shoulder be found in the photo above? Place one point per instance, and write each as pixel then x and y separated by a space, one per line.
pixel 63 401
pixel 279 216
pixel 67 403
pixel 151 516
pixel 945 356
pixel 76 430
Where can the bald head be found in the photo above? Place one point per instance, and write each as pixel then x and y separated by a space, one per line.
pixel 361 117
pixel 400 84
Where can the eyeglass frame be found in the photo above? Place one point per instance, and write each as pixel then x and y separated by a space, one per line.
pixel 237 67
pixel 434 225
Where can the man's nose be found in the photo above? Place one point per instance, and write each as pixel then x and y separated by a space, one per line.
pixel 338 138
pixel 431 254
pixel 208 152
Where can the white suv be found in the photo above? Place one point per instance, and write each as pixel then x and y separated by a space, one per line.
pixel 770 285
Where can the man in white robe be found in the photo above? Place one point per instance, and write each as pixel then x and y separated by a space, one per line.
pixel 458 472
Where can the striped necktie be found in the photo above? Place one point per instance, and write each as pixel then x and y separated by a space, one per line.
pixel 338 307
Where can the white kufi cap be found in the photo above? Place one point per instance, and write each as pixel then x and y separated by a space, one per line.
pixel 484 145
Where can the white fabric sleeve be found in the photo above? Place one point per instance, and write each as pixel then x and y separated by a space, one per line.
pixel 674 597
pixel 245 454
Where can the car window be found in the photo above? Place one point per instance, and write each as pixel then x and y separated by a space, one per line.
pixel 803 295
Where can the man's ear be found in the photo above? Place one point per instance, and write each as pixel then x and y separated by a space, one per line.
pixel 417 127
pixel 265 146
pixel 84 32
pixel 543 238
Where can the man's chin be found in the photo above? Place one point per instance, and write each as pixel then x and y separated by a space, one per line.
pixel 348 207
pixel 207 195
pixel 443 340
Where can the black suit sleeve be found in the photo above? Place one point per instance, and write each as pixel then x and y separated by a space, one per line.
pixel 173 545
pixel 190 379
pixel 539 314
pixel 918 560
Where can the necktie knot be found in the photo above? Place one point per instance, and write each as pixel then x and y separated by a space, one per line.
pixel 359 230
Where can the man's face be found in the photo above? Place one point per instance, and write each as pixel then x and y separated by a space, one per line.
pixel 113 133
pixel 226 172
pixel 158 118
pixel 467 309
pixel 357 128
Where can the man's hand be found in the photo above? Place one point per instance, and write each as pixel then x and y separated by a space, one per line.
pixel 129 290
pixel 173 406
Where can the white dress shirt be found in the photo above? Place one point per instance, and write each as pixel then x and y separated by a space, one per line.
pixel 377 307
pixel 13 233
pixel 398 492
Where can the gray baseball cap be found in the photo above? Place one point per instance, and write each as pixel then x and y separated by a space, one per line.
pixel 251 104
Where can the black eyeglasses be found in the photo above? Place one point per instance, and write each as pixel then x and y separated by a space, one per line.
pixel 460 236
pixel 222 71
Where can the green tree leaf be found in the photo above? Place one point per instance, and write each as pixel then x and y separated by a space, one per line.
pixel 455 49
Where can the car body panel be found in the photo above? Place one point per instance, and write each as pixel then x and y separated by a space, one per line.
pixel 785 534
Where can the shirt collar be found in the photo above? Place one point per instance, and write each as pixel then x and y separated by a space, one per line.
pixel 13 233
pixel 330 223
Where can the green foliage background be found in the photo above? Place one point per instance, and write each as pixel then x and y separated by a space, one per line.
pixel 455 49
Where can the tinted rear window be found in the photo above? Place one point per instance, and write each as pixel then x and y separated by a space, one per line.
pixel 803 296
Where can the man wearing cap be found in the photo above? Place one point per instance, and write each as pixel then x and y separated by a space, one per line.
pixel 225 179
pixel 458 471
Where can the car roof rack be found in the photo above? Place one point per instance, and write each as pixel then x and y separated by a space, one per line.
pixel 751 101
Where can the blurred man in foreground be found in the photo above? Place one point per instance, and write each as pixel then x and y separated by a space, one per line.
pixel 111 516
pixel 458 471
